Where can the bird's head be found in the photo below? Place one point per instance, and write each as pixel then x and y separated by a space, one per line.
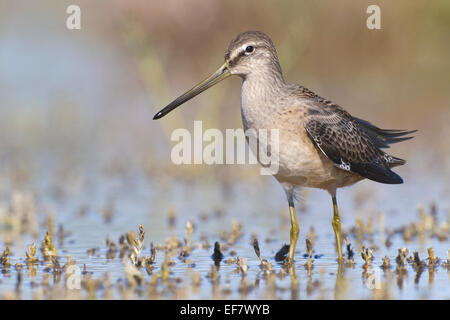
pixel 249 53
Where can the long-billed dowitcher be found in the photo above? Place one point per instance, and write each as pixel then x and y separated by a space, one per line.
pixel 320 144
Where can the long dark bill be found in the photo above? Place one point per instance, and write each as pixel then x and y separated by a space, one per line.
pixel 216 77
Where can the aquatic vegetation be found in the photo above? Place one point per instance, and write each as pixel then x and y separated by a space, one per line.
pixel 386 265
pixel 367 256
pixel 309 251
pixel 173 268
pixel 48 249
pixel 281 254
pixel 265 265
pixel 433 261
pixel 4 258
pixel 217 255
pixel 350 254
pixel 133 274
pixel 112 248
pixel 241 266
pixel 136 246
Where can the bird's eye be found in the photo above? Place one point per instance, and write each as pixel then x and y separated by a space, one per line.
pixel 249 49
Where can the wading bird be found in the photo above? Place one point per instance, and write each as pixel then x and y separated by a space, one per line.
pixel 320 144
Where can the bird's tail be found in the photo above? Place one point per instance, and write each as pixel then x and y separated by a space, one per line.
pixel 382 138
pixel 394 161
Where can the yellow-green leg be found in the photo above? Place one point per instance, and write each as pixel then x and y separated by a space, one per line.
pixel 294 231
pixel 337 228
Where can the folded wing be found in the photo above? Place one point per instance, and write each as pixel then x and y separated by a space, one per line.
pixel 353 144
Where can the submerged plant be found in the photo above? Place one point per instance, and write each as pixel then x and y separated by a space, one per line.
pixel 4 258
pixel 265 265
pixel 433 261
pixel 401 258
pixel 386 264
pixel 350 254
pixel 309 251
pixel 136 246
pixel 281 254
pixel 242 266
pixel 48 249
pixel 367 256
pixel 31 254
pixel 133 275
pixel 217 255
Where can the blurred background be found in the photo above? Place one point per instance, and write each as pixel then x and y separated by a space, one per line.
pixel 76 108
pixel 86 98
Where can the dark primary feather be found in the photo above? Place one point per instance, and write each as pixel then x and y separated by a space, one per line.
pixel 384 137
pixel 352 144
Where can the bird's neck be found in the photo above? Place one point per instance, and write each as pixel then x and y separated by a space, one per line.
pixel 261 94
pixel 263 84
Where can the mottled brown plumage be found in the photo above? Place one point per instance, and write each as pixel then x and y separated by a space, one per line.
pixel 320 144
pixel 351 143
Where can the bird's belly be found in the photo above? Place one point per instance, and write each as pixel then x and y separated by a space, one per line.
pixel 312 170
pixel 298 160
pixel 300 163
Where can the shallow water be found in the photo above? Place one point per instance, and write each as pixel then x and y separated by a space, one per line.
pixel 213 209
pixel 85 98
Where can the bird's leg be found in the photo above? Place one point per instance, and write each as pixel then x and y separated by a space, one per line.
pixel 337 228
pixel 294 230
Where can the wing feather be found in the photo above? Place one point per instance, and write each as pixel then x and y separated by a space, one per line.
pixel 352 144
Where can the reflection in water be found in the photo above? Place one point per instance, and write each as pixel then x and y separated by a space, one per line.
pixel 341 286
pixel 177 260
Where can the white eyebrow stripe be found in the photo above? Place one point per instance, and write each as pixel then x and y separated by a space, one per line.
pixel 236 53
